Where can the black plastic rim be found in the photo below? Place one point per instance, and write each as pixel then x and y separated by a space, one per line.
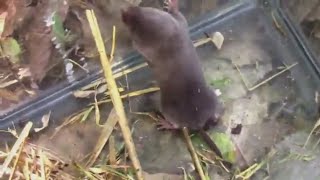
pixel 41 105
pixel 299 37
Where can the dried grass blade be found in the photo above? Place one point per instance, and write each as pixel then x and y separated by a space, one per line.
pixel 16 161
pixel 112 151
pixel 115 95
pixel 42 166
pixel 193 153
pixel 104 136
pixel 97 110
pixel 133 94
pixel 24 134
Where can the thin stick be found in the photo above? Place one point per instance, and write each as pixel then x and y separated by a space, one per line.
pixel 115 95
pixel 193 154
pixel 272 77
pixel 133 94
pixel 200 42
pixel 242 77
pixel 266 80
pixel 130 70
pixel 77 64
pixel 116 75
pixel 113 43
pixel 112 151
pixel 312 131
pixel 277 25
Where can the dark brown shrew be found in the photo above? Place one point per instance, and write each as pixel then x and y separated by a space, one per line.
pixel 162 37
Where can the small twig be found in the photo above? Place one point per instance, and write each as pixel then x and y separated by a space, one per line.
pixel 264 81
pixel 113 44
pixel 193 153
pixel 277 25
pixel 96 110
pixel 9 83
pixel 130 70
pixel 202 41
pixel 146 114
pixel 312 131
pixel 116 75
pixel 249 172
pixel 133 94
pixel 112 151
pixel 77 64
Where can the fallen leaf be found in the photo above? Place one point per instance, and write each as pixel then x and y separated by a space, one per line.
pixel 39 33
pixel 2 21
pixel 45 122
pixel 11 49
pixel 102 89
pixel 223 142
pixel 217 39
pixel 24 72
pixel 8 83
pixel 6 94
pixel 83 94
pixel 14 17
pixel 87 93
pixel 225 146
pixel 221 83
pixel 39 49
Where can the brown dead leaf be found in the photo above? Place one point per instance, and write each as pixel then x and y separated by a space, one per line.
pixel 314 14
pixel 45 122
pixel 83 94
pixel 3 6
pixel 38 52
pixel 16 10
pixel 6 94
pixel 3 17
pixel 8 83
pixel 38 36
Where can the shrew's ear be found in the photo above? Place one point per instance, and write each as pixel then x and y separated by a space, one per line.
pixel 129 15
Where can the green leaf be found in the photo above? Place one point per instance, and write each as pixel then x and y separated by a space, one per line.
pixel 223 142
pixel 197 141
pixel 57 28
pixel 225 145
pixel 11 49
pixel 220 83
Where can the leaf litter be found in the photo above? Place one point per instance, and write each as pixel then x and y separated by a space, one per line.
pixel 43 169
